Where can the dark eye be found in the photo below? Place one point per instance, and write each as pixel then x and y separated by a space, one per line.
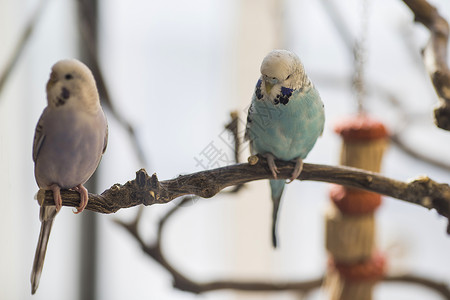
pixel 68 76
pixel 288 77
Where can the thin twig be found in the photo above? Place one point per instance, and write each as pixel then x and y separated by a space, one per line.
pixel 148 190
pixel 24 38
pixel 233 127
pixel 435 56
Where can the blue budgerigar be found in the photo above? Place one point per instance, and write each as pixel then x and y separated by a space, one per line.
pixel 285 118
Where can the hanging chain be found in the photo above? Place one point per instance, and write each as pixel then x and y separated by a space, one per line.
pixel 360 58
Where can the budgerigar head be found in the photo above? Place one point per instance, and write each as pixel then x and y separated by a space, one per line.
pixel 282 68
pixel 72 84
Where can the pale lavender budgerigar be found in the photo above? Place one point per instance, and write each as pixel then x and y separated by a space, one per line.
pixel 70 138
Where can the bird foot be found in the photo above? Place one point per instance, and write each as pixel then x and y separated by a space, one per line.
pixel 56 196
pixel 297 170
pixel 271 162
pixel 83 198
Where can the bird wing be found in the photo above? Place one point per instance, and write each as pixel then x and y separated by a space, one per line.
pixel 39 136
pixel 249 121
pixel 105 140
pixel 256 95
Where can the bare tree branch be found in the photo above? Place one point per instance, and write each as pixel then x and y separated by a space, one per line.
pixel 233 127
pixel 148 190
pixel 435 56
pixel 183 282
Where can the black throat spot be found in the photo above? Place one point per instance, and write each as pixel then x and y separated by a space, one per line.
pixel 283 99
pixel 63 97
pixel 65 93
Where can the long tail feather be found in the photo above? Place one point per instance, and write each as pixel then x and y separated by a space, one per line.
pixel 47 215
pixel 277 187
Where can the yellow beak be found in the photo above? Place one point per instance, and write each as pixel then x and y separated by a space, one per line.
pixel 268 86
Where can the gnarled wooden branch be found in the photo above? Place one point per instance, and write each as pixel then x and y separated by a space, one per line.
pixel 435 56
pixel 148 190
pixel 183 282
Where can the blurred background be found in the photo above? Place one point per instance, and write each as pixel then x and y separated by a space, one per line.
pixel 175 70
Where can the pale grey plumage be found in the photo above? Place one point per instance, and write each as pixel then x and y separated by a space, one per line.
pixel 70 138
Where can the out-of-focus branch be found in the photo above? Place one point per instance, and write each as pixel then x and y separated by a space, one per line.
pixel 154 250
pixel 435 56
pixel 148 190
pixel 21 43
pixel 440 287
pixel 184 283
pixel 406 119
pixel 87 37
pixel 343 30
pixel 396 139
pixel 402 116
pixel 356 46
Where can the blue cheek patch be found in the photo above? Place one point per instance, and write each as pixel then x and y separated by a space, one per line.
pixel 286 91
pixel 283 98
